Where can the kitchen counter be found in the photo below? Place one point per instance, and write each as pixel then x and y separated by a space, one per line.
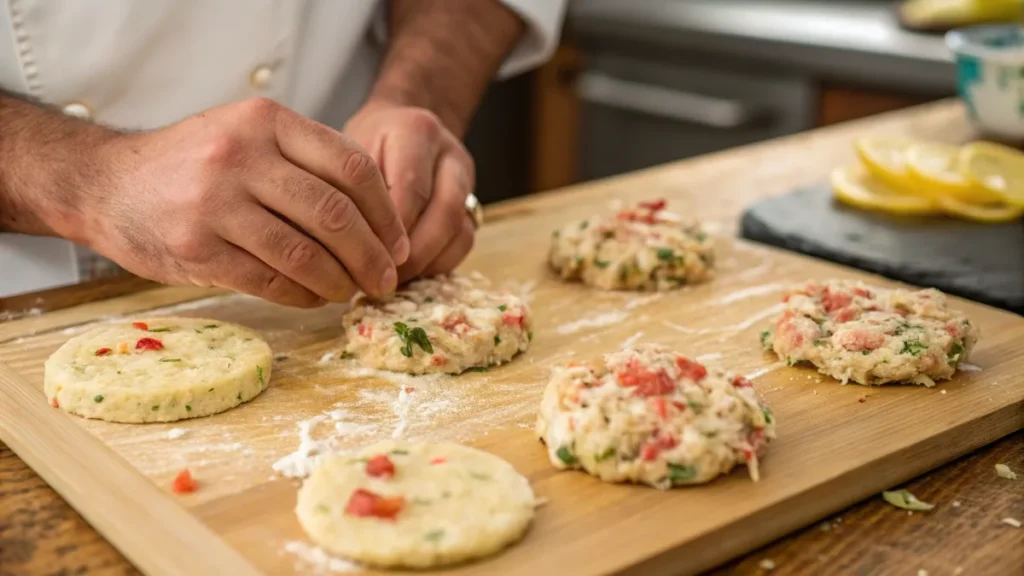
pixel 849 40
pixel 40 534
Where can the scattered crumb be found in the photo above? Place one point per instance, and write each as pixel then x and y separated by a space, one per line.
pixel 943 391
pixel 922 572
pixel 905 500
pixel 824 526
pixel 965 367
pixel 540 501
pixel 956 503
pixel 862 399
pixel 1004 472
pixel 815 392
pixel 910 512
pixel 175 433
pixel 313 556
pixel 1011 521
pixel 328 357
pixel 767 564
pixel 839 519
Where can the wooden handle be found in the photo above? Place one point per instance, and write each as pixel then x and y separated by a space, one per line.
pixel 81 469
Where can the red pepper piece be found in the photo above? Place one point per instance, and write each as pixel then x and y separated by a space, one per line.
pixel 654 205
pixel 438 460
pixel 140 325
pixel 380 466
pixel 103 351
pixel 149 344
pixel 364 504
pixel 54 403
pixel 689 369
pixel 183 483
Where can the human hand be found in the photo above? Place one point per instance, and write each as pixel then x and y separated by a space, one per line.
pixel 430 174
pixel 249 196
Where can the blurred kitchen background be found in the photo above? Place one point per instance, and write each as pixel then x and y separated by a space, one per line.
pixel 643 82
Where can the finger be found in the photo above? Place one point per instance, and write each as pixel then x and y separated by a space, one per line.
pixel 442 219
pixel 455 252
pixel 332 218
pixel 288 251
pixel 342 163
pixel 408 164
pixel 237 270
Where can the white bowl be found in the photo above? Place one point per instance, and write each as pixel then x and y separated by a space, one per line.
pixel 990 77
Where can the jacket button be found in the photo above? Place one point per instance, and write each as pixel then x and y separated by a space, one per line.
pixel 78 110
pixel 260 77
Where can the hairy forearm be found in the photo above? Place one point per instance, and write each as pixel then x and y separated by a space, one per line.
pixel 46 158
pixel 443 54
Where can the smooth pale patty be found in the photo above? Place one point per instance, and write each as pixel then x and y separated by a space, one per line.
pixel 443 324
pixel 871 335
pixel 649 415
pixel 158 370
pixel 415 505
pixel 641 248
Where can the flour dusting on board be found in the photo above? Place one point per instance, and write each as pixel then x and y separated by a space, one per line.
pixel 175 433
pixel 597 321
pixel 313 557
pixel 747 293
pixel 313 447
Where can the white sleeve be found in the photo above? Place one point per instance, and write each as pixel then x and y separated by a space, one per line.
pixel 543 19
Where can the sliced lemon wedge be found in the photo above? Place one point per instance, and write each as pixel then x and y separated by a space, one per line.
pixel 990 213
pixel 854 186
pixel 935 167
pixel 996 169
pixel 885 157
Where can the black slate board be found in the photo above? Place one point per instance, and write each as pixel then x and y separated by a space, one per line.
pixel 981 262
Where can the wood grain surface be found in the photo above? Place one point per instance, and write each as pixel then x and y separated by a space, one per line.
pixel 804 475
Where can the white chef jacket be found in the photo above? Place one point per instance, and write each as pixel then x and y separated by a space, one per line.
pixel 142 64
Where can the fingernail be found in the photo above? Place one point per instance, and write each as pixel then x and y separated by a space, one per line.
pixel 400 251
pixel 388 281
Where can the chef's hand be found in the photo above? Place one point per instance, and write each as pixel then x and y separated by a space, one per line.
pixel 252 197
pixel 430 174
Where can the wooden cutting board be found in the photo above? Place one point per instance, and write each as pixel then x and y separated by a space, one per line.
pixel 833 448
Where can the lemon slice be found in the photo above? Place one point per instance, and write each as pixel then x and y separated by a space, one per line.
pixel 854 186
pixel 997 169
pixel 979 212
pixel 885 157
pixel 935 167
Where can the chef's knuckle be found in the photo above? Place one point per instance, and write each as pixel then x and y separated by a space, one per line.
pixel 220 150
pixel 300 254
pixel 186 245
pixel 359 168
pixel 259 109
pixel 424 122
pixel 337 212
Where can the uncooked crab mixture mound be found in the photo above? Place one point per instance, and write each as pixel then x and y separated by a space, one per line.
pixel 444 324
pixel 645 247
pixel 649 415
pixel 157 370
pixel 415 505
pixel 871 335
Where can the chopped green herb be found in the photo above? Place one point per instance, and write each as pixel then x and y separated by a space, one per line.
pixel 584 224
pixel 913 347
pixel 477 369
pixel 623 273
pixel 502 307
pixel 479 476
pixel 666 254
pixel 200 330
pixel 434 535
pixel 529 335
pixel 819 342
pixel 97 398
pixel 347 355
pixel 170 359
pixel 956 352
pixel 210 390
pixel 239 396
pixel 695 406
pixel 608 234
pixel 410 336
pixel 700 236
pixel 497 340
pixel 428 299
pixel 359 461
pixel 565 455
pixel 398 451
pixel 160 329
pixel 555 233
pixel 678 474
pixel 905 500
pixel 601 263
pixel 767 415
pixel 154 408
pixel 322 508
pixel 790 361
pixel 766 339
pixel 259 375
pixel 608 453
pixel 866 352
pixel 188 407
